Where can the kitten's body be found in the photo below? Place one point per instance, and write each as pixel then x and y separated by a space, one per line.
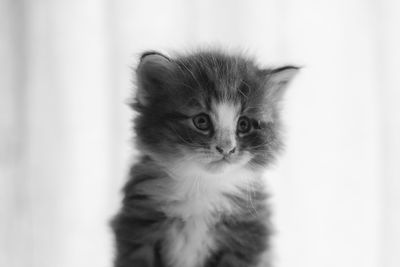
pixel 196 197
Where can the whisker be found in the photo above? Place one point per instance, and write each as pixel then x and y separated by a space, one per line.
pixel 250 199
pixel 260 145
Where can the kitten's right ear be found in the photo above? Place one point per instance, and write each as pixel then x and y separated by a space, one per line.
pixel 154 72
pixel 277 81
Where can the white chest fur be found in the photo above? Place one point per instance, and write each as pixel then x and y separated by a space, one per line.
pixel 197 198
pixel 189 243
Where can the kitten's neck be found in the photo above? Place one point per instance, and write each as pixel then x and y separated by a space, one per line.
pixel 191 191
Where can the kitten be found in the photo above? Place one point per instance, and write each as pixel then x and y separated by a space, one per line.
pixel 207 125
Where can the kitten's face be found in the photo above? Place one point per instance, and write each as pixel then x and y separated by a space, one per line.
pixel 210 109
pixel 213 136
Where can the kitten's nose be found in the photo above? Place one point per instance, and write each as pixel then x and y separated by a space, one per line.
pixel 227 150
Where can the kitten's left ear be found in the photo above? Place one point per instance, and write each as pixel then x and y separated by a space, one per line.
pixel 277 80
pixel 154 73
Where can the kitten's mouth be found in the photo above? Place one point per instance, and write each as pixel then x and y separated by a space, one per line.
pixel 221 161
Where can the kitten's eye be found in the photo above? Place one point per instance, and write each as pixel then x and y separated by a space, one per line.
pixel 202 122
pixel 243 125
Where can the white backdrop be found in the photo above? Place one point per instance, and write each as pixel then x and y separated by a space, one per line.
pixel 64 148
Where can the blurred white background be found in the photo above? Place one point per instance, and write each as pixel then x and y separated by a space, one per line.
pixel 65 76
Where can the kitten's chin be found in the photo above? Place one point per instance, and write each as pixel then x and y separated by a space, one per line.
pixel 218 166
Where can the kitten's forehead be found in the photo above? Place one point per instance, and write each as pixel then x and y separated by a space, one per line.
pixel 226 113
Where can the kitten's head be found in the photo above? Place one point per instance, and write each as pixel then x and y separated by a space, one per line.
pixel 209 108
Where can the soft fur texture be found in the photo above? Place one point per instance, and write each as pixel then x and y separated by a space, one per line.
pixel 207 125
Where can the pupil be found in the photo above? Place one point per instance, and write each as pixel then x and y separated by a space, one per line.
pixel 243 125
